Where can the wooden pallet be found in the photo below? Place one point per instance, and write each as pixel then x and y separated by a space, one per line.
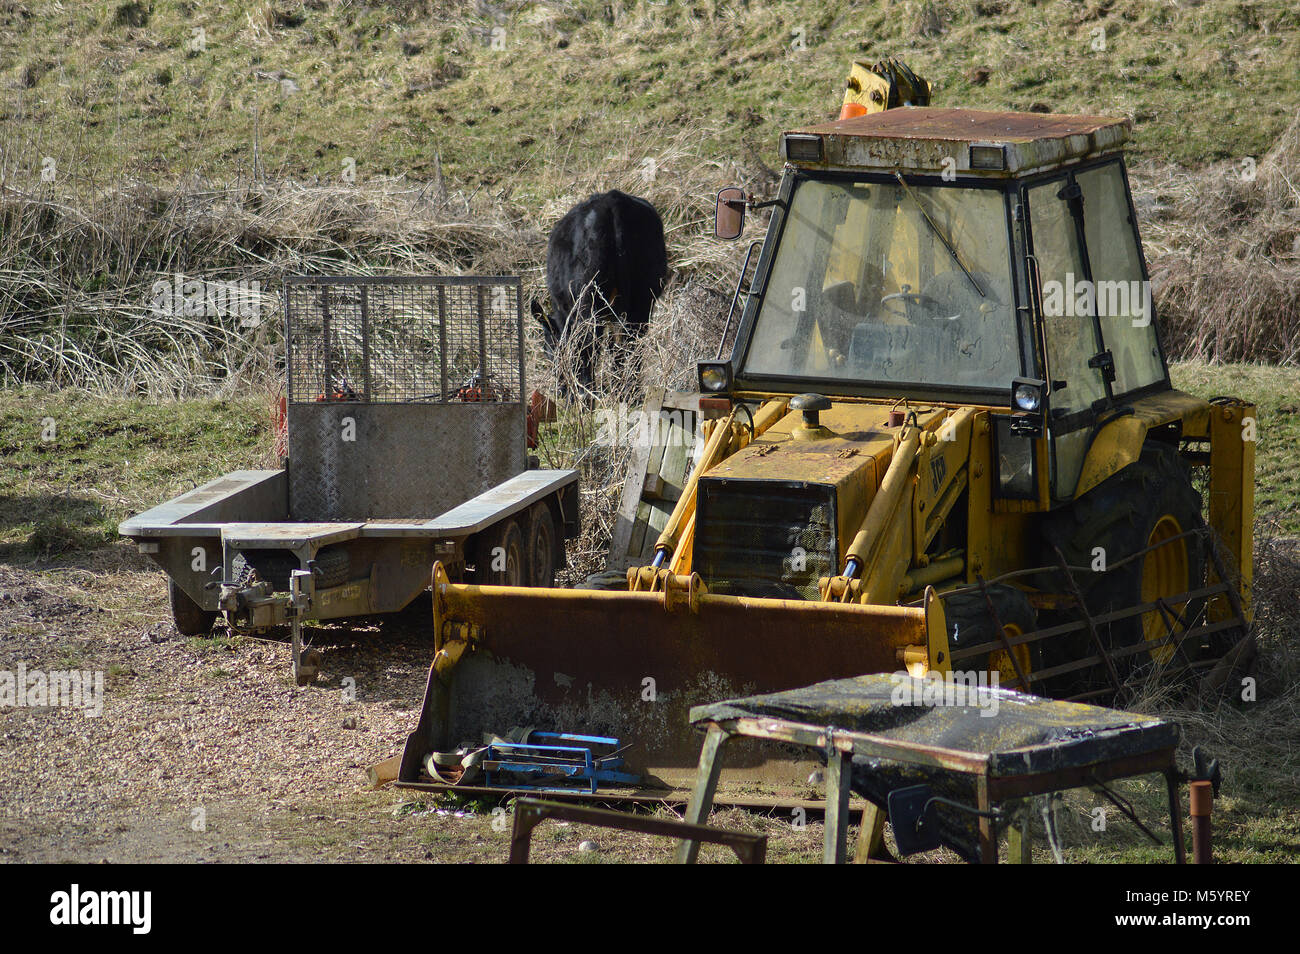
pixel 657 475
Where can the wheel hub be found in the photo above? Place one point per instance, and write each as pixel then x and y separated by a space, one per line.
pixel 1164 574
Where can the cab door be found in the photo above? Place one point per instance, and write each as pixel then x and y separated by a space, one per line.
pixel 1071 336
pixel 1099 329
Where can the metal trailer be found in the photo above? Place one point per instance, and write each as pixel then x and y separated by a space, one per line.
pixel 406 444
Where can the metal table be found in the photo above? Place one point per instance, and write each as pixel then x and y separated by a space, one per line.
pixel 1025 746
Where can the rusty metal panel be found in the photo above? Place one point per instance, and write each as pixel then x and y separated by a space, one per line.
pixel 358 461
pixel 579 661
pixel 933 139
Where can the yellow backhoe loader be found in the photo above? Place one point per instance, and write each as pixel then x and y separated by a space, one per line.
pixel 945 440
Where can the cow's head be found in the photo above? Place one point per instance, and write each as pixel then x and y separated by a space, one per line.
pixel 552 332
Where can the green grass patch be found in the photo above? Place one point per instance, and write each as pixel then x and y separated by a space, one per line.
pixel 499 94
pixel 1276 393
pixel 76 465
pixel 217 643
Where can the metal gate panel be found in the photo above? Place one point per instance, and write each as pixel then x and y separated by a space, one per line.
pixel 404 393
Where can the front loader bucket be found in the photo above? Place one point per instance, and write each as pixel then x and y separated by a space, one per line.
pixel 632 664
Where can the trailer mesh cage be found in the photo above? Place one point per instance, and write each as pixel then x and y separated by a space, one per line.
pixel 404 340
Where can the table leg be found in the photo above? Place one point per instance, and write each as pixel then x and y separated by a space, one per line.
pixel 701 801
pixel 1020 839
pixel 521 836
pixel 988 827
pixel 871 834
pixel 839 771
pixel 1176 815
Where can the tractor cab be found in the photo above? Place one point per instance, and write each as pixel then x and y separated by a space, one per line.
pixel 953 256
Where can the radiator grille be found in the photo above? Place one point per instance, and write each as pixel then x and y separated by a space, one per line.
pixel 764 538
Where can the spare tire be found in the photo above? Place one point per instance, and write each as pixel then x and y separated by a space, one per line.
pixel 333 567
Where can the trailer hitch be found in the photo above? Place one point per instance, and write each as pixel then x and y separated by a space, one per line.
pixel 258 607
pixel 302 591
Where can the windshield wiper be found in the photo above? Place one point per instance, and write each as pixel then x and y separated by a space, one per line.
pixel 938 232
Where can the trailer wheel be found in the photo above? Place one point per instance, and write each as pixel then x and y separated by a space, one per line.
pixel 541 545
pixel 190 618
pixel 499 556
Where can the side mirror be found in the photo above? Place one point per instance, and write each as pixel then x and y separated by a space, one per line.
pixel 729 221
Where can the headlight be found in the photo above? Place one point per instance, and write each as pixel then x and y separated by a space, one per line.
pixel 714 377
pixel 1027 398
pixel 800 147
pixel 1027 394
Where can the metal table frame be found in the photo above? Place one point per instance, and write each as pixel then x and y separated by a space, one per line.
pixel 841 745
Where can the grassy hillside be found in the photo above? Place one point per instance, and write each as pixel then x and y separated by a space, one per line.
pixel 140 140
pixel 77 465
pixel 496 94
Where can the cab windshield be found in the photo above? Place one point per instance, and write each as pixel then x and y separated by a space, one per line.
pixel 890 282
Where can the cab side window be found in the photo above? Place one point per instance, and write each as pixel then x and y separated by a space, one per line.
pixel 1123 295
pixel 1069 331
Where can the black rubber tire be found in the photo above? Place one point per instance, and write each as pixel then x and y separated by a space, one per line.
pixel 970 623
pixel 541 552
pixel 190 618
pixel 1120 516
pixel 605 580
pixel 333 567
pixel 505 538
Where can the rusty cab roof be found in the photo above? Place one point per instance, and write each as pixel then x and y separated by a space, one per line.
pixel 931 140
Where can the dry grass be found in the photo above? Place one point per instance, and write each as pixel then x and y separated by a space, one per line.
pixel 1257 739
pixel 1226 262
pixel 78 265
pixel 78 273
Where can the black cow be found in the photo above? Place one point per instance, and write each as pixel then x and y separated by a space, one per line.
pixel 606 263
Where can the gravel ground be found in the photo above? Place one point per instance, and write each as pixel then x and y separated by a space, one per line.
pixel 211 730
pixel 206 751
